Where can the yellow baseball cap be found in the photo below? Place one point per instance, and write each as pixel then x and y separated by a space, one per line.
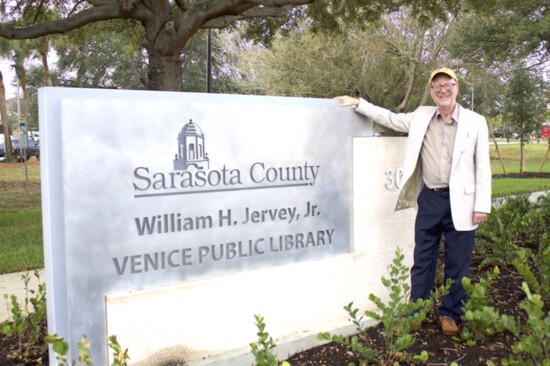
pixel 450 73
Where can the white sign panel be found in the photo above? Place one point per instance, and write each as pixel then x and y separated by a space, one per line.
pixel 144 189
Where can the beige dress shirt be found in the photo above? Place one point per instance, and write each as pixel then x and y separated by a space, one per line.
pixel 437 150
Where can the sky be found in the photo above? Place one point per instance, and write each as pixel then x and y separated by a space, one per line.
pixel 9 74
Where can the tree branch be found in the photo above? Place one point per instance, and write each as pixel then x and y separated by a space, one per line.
pixel 94 14
pixel 277 9
pixel 279 3
pixel 184 5
pixel 99 2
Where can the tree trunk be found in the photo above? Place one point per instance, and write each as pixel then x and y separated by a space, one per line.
pixel 521 155
pixel 409 91
pixel 5 121
pixel 47 74
pixel 21 75
pixel 24 100
pixel 164 71
pixel 414 68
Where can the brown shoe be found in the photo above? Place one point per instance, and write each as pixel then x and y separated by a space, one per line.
pixel 448 326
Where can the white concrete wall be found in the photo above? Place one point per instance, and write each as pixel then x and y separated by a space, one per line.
pixel 211 322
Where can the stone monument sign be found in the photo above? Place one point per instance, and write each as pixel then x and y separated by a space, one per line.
pixel 143 190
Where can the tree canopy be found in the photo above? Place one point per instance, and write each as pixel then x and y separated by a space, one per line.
pixel 504 31
pixel 167 25
pixel 382 50
pixel 525 104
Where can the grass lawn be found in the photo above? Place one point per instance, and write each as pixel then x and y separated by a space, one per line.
pixel 21 214
pixel 509 154
pixel 21 240
pixel 20 218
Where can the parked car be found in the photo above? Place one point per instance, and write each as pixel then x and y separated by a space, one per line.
pixel 34 135
pixel 498 133
pixel 32 150
pixel 3 145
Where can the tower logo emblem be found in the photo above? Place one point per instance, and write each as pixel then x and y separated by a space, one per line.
pixel 191 148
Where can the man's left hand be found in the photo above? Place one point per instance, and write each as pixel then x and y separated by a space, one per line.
pixel 479 217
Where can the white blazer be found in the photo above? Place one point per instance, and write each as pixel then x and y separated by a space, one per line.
pixel 470 180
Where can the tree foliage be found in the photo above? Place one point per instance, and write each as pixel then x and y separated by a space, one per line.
pixel 166 25
pixel 338 15
pixel 524 105
pixel 381 50
pixel 481 89
pixel 113 60
pixel 386 62
pixel 498 31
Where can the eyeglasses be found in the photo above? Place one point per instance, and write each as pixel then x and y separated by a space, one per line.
pixel 447 87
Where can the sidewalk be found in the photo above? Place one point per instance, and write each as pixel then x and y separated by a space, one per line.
pixel 13 284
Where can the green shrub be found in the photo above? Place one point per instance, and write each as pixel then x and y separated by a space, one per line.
pixel 536 341
pixel 533 348
pixel 498 237
pixel 533 260
pixel 262 349
pixel 27 323
pixel 481 319
pixel 534 267
pixel 61 348
pixel 397 318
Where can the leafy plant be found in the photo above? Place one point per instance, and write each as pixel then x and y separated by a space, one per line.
pixel 535 342
pixel 120 356
pixel 533 262
pixel 367 354
pixel 498 237
pixel 61 348
pixel 27 323
pixel 534 266
pixel 262 349
pixel 481 320
pixel 397 318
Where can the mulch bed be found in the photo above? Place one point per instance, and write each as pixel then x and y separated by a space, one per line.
pixel 523 176
pixel 506 294
pixel 33 161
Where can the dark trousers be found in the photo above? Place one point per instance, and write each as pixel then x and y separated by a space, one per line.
pixel 432 221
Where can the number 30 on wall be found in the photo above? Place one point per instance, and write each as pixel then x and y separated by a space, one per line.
pixel 394 177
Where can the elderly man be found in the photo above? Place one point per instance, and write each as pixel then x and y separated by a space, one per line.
pixel 447 177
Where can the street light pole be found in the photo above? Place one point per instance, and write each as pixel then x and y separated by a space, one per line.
pixel 23 144
pixel 4 116
pixel 209 62
pixel 18 101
